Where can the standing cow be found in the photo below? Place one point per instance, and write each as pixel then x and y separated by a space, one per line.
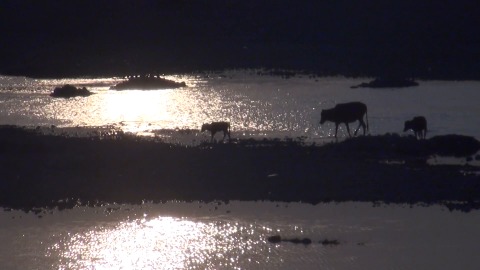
pixel 346 113
pixel 419 126
pixel 215 127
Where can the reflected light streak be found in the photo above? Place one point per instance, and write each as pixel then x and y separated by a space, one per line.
pixel 139 111
pixel 250 108
pixel 136 109
pixel 159 243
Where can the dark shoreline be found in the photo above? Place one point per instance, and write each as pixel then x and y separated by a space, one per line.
pixel 284 73
pixel 44 171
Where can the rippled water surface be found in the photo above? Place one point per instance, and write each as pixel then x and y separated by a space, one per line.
pixel 178 235
pixel 265 106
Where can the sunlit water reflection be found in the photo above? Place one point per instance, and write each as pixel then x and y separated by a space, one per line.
pixel 144 237
pixel 158 243
pixel 234 236
pixel 257 106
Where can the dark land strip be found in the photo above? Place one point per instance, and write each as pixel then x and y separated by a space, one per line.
pixel 45 171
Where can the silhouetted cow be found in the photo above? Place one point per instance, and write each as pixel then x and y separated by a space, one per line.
pixel 346 113
pixel 214 127
pixel 419 126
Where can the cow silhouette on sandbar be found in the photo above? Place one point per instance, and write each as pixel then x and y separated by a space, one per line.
pixel 215 127
pixel 419 126
pixel 346 113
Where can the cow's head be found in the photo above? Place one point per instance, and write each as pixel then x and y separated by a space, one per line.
pixel 205 127
pixel 408 125
pixel 323 117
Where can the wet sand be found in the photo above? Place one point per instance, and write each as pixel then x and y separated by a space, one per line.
pixel 56 171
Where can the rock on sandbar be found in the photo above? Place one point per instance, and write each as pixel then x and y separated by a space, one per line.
pixel 147 83
pixel 68 91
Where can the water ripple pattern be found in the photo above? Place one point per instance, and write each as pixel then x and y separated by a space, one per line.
pixel 256 106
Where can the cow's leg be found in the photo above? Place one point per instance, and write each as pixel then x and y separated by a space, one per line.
pixel 361 124
pixel 213 134
pixel 356 130
pixel 348 129
pixel 336 129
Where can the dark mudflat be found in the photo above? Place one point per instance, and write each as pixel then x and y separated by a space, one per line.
pixel 44 170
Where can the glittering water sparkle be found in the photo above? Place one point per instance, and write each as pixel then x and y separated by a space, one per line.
pixel 256 106
pixel 195 235
pixel 159 243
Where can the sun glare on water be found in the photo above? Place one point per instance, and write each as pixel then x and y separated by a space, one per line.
pixel 156 243
pixel 135 109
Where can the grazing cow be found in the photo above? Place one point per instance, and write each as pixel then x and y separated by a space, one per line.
pixel 215 127
pixel 346 113
pixel 419 126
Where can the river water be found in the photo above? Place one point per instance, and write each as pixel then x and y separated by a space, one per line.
pixel 256 106
pixel 178 235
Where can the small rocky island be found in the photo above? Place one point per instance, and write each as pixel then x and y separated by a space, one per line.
pixel 388 83
pixel 68 91
pixel 147 83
